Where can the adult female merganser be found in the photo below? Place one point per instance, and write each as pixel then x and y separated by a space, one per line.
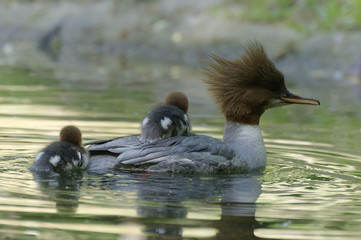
pixel 63 155
pixel 244 88
pixel 168 120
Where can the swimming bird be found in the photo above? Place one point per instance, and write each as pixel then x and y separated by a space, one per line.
pixel 63 155
pixel 244 88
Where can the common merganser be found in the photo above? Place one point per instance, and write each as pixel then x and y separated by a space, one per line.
pixel 168 120
pixel 63 155
pixel 244 88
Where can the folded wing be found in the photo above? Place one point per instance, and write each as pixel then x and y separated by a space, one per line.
pixel 196 153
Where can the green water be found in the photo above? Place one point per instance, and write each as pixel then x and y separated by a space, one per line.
pixel 311 188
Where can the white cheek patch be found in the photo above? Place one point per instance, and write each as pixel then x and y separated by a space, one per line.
pixel 185 118
pixel 40 154
pixel 145 121
pixel 275 103
pixel 54 160
pixel 165 122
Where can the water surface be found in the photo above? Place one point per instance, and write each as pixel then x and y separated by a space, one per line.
pixel 310 190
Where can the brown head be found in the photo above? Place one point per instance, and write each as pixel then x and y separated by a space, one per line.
pixel 179 100
pixel 71 134
pixel 245 87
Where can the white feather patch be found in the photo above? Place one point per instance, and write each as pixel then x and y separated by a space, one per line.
pixel 40 154
pixel 165 122
pixel 54 160
pixel 145 121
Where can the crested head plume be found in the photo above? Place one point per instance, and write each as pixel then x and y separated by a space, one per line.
pixel 243 87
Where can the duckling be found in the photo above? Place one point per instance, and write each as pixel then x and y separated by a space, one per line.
pixel 63 155
pixel 168 120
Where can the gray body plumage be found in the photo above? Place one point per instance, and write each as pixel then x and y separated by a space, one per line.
pixel 101 159
pixel 103 146
pixel 196 153
pixel 187 154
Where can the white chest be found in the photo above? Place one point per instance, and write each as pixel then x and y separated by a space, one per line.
pixel 247 142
